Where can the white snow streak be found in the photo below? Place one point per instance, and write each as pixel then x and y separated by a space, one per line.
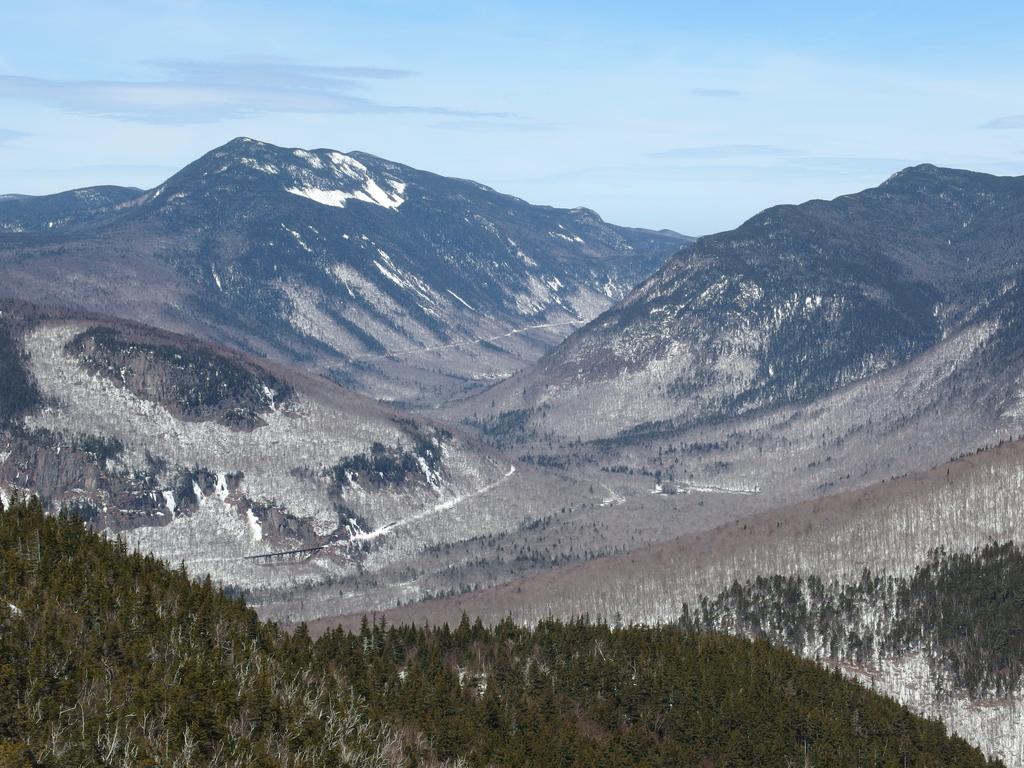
pixel 459 298
pixel 443 506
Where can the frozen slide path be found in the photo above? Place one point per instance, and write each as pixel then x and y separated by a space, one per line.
pixel 443 506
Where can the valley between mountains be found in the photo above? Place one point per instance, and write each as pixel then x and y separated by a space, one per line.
pixel 339 386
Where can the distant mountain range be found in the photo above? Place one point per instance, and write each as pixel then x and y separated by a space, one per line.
pixel 26 213
pixel 840 343
pixel 399 283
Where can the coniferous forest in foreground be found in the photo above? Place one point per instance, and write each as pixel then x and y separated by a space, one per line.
pixel 109 658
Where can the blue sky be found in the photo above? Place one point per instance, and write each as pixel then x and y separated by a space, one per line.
pixel 655 114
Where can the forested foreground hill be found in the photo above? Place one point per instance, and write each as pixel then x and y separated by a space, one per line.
pixel 109 658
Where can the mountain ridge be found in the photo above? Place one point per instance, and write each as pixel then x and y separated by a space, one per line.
pixel 801 300
pixel 349 264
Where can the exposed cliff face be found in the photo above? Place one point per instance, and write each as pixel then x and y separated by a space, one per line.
pixel 186 378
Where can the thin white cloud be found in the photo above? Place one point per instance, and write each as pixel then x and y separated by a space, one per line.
pixel 193 91
pixel 724 151
pixel 496 126
pixel 780 167
pixel 1009 122
pixel 717 93
pixel 9 134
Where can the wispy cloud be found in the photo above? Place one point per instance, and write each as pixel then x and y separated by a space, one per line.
pixel 8 134
pixel 783 167
pixel 497 126
pixel 824 166
pixel 1006 123
pixel 189 91
pixel 272 72
pixel 138 168
pixel 717 93
pixel 724 151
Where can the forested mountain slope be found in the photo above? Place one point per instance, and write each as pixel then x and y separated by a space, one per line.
pixel 262 477
pixel 109 658
pixel 945 640
pixel 797 304
pixel 26 213
pixel 399 283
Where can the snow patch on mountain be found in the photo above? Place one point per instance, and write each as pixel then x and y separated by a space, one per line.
pixel 254 525
pixel 358 286
pixel 540 295
pixel 256 165
pixel 298 239
pixel 371 193
pixel 460 299
pixel 344 168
